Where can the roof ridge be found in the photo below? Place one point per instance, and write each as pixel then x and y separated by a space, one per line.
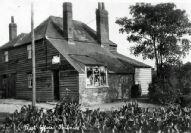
pixel 86 26
pixel 49 18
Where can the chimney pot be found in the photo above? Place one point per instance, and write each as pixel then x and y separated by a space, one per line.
pixel 68 22
pixel 12 29
pixel 103 6
pixel 102 26
pixel 12 19
pixel 99 5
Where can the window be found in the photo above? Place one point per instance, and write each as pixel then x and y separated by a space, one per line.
pixel 6 55
pixel 29 76
pixel 29 51
pixel 96 76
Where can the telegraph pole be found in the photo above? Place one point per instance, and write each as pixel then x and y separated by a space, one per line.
pixel 33 60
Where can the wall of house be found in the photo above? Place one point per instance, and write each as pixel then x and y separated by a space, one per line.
pixel 121 84
pixel 68 76
pixel 119 88
pixel 69 85
pixel 20 65
pixel 143 77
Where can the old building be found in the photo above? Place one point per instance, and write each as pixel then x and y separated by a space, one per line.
pixel 72 60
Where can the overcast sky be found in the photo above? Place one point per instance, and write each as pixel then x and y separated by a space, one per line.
pixel 83 11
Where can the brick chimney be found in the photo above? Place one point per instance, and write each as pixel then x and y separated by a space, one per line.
pixel 12 29
pixel 102 26
pixel 68 22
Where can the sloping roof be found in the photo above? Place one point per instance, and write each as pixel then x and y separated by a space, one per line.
pixel 127 60
pixel 93 53
pixel 86 50
pixel 85 59
pixel 14 41
pixel 81 31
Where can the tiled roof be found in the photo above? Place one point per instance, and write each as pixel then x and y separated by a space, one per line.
pixel 127 60
pixel 86 50
pixel 82 32
pixel 92 53
pixel 14 41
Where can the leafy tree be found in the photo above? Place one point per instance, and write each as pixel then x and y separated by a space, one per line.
pixel 157 31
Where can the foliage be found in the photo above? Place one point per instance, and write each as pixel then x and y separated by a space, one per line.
pixel 129 118
pixel 173 86
pixel 163 92
pixel 157 31
pixel 184 75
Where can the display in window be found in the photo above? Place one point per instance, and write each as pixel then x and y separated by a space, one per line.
pixel 96 76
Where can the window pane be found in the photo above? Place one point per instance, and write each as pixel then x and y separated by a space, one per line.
pixel 29 54
pixel 29 80
pixel 28 47
pixel 6 56
pixel 89 79
pixel 96 76
pixel 103 75
pixel 6 52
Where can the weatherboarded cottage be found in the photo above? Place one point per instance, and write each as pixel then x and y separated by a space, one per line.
pixel 72 60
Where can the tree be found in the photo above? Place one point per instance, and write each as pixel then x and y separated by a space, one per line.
pixel 157 31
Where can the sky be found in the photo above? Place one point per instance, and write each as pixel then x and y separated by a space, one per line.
pixel 83 10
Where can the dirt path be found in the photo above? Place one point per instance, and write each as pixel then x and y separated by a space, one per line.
pixel 10 105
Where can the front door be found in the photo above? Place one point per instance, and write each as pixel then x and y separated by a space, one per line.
pixel 56 85
pixel 10 85
pixel 13 86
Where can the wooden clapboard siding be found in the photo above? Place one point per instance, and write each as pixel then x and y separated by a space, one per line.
pixel 20 64
pixel 143 77
pixel 69 80
pixel 68 74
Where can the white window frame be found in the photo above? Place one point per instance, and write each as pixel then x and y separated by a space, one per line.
pixel 29 51
pixel 29 80
pixel 6 55
pixel 99 86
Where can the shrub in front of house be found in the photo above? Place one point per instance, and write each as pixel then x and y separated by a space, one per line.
pixel 163 91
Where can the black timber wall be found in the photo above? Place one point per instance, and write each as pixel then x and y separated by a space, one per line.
pixel 22 66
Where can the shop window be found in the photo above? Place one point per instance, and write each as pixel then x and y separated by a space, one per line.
pixel 96 76
pixel 29 51
pixel 29 77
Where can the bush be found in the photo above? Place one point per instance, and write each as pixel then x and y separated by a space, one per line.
pixel 188 100
pixel 136 91
pixel 163 92
pixel 186 90
pixel 68 118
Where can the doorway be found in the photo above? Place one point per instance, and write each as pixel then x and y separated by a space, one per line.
pixel 12 86
pixel 56 84
pixel 9 85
